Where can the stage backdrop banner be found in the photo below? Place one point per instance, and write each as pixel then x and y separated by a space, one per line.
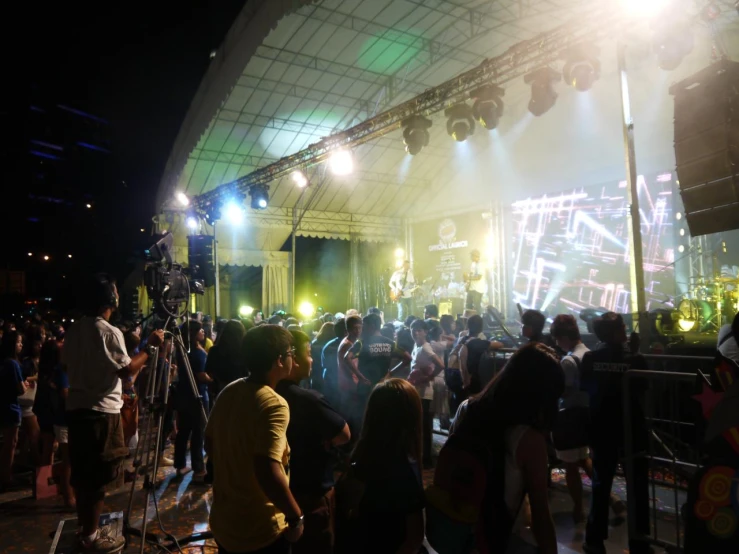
pixel 441 252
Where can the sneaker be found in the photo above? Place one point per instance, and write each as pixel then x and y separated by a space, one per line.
pixel 165 462
pixel 198 478
pixel 104 543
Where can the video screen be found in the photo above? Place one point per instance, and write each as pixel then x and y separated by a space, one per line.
pixel 571 250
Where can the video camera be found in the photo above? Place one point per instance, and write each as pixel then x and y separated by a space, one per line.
pixel 169 284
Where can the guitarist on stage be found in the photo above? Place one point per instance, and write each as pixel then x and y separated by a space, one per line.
pixel 402 285
pixel 475 283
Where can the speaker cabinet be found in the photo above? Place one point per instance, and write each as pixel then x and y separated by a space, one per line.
pixel 200 258
pixel 707 147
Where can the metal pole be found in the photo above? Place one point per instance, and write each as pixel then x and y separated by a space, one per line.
pixel 292 278
pixel 636 267
pixel 218 273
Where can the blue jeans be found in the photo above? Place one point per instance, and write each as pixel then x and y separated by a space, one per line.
pixel 404 308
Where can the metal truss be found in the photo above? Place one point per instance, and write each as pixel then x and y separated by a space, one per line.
pixel 542 50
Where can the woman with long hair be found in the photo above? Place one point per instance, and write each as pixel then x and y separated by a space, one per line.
pixel 30 433
pixel 12 385
pixel 513 416
pixel 190 423
pixel 387 460
pixel 224 363
pixel 49 407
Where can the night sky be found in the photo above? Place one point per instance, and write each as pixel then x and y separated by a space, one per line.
pixel 137 65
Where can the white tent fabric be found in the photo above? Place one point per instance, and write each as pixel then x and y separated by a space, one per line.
pixel 275 288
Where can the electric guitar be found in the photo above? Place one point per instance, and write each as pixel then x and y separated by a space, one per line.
pixel 468 279
pixel 397 293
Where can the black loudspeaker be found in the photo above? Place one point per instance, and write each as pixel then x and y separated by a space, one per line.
pixel 200 258
pixel 707 147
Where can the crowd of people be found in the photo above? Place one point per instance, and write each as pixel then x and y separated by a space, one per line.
pixel 317 434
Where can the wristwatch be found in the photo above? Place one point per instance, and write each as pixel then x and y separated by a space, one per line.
pixel 295 522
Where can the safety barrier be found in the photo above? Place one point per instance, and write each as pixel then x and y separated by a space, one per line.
pixel 671 451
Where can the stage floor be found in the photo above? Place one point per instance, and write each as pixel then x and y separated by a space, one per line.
pixel 27 525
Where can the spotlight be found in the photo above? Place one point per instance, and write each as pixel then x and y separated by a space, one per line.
pixel 644 8
pixel 672 41
pixel 69 256
pixel 299 179
pixel 415 133
pixel 488 107
pixel 307 310
pixel 233 212
pixel 246 311
pixel 460 124
pixel 46 258
pixel 30 253
pixel 681 248
pixel 341 162
pixel 182 198
pixel 88 206
pixel 259 196
pixel 399 253
pixel 192 222
pixel 543 96
pixel 582 67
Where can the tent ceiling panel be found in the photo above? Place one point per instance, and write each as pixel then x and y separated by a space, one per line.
pixel 329 64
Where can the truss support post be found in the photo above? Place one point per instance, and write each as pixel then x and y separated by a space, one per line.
pixel 217 311
pixel 636 259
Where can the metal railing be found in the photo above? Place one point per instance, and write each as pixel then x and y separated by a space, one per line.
pixel 671 447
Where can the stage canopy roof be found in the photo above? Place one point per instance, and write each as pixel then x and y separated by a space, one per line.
pixel 290 72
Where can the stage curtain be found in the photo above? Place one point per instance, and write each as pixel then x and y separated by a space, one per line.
pixel 370 264
pixel 274 288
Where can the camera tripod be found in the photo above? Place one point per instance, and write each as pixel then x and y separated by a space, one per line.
pixel 154 399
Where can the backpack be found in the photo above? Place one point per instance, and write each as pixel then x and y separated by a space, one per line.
pixel 572 427
pixel 454 501
pixel 465 505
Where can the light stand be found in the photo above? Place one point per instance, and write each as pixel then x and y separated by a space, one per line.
pixel 155 398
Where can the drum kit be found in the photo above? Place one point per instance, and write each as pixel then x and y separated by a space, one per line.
pixel 710 304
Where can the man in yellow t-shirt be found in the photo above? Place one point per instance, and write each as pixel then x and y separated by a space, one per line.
pixel 253 510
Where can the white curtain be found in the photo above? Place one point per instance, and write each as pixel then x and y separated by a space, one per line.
pixel 274 288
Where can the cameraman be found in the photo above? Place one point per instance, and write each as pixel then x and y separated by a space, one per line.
pixel 96 360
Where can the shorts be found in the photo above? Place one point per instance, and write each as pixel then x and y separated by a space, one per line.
pixel 27 411
pixel 573 455
pixel 61 434
pixel 96 450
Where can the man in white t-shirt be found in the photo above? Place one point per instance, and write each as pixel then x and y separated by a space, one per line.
pixel 566 333
pixel 402 283
pixel 425 367
pixel 476 283
pixel 95 358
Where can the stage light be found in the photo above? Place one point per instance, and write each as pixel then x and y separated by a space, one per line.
pixel 182 198
pixel 234 213
pixel 398 263
pixel 341 162
pixel 399 253
pixel 415 133
pixel 681 248
pixel 682 232
pixel 460 124
pixel 69 256
pixel 192 223
pixel 644 8
pixel 46 258
pixel 672 41
pixel 246 311
pixel 299 179
pixel 30 253
pixel 306 309
pixel 488 107
pixel 88 206
pixel 259 196
pixel 678 216
pixel 543 96
pixel 582 67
